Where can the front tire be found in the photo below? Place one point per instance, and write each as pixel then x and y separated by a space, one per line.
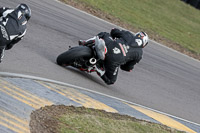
pixel 68 57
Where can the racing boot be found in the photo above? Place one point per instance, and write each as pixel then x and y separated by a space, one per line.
pixel 88 42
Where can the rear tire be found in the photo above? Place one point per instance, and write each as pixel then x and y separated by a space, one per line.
pixel 68 57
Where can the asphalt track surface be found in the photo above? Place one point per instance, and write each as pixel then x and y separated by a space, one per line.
pixel 164 80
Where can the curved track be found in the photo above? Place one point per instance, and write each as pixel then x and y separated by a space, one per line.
pixel 164 80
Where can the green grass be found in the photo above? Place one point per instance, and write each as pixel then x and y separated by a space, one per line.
pixel 83 120
pixel 171 19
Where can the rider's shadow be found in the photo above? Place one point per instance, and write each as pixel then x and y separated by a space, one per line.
pixel 89 76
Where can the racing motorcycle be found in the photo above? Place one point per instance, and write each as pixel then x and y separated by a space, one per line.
pixel 87 58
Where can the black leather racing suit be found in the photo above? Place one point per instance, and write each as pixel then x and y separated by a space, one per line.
pixel 12 27
pixel 122 51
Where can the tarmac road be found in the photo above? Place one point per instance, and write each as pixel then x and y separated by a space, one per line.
pixel 164 80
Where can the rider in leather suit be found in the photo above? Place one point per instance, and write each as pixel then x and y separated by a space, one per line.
pixel 124 50
pixel 12 26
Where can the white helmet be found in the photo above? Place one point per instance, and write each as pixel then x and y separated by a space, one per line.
pixel 144 37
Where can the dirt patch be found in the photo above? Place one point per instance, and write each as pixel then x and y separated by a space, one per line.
pixel 117 21
pixel 45 119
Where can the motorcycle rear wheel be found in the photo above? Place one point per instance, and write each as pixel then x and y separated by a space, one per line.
pixel 73 54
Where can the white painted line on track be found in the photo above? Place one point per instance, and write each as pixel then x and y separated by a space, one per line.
pixel 15 75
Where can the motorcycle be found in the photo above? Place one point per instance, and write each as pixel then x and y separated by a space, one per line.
pixel 87 58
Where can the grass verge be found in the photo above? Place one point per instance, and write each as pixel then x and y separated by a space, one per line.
pixel 70 119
